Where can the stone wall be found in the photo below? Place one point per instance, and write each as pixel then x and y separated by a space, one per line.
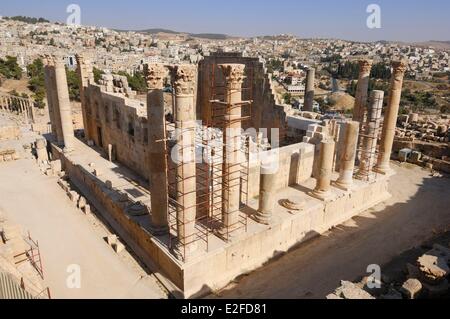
pixel 108 203
pixel 436 150
pixel 10 133
pixel 295 165
pixel 121 122
pixel 264 112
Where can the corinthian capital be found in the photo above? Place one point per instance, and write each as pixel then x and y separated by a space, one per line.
pixel 399 69
pixel 154 75
pixel 365 66
pixel 234 75
pixel 184 79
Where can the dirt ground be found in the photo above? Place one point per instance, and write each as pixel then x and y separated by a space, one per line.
pixel 67 237
pixel 418 210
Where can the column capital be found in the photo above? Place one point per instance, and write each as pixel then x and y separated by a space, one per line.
pixel 82 59
pixel 154 75
pixel 184 79
pixel 365 65
pixel 48 60
pixel 399 69
pixel 234 75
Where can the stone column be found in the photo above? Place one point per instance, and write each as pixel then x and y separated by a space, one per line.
pixel 348 155
pixel 2 103
pixel 309 90
pixel 86 76
pixel 65 109
pixel 184 80
pixel 155 74
pixel 390 117
pixel 266 192
pixel 323 186
pixel 231 181
pixel 52 98
pixel 362 88
pixel 370 136
pixel 32 110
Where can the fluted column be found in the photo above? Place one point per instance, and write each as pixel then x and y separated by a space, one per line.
pixel 323 186
pixel 65 109
pixel 370 136
pixel 348 156
pixel 362 88
pixel 309 90
pixel 155 74
pixel 184 80
pixel 390 117
pixel 234 78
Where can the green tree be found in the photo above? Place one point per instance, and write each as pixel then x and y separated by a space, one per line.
pixel 136 81
pixel 287 97
pixel 97 74
pixel 10 69
pixel 36 82
pixel 73 82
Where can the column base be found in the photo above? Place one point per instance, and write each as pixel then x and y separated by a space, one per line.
pixel 263 218
pixel 159 230
pixel 323 196
pixel 387 171
pixel 344 186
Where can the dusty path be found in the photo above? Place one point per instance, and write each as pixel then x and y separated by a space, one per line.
pixel 419 208
pixel 66 237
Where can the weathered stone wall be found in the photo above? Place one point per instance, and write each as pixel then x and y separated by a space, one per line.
pixel 264 113
pixel 259 246
pixel 295 165
pixel 107 203
pixel 9 133
pixel 435 150
pixel 121 122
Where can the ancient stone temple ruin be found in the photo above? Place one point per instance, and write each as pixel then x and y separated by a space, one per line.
pixel 208 188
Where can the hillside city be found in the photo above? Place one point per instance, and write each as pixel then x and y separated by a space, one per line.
pixel 165 164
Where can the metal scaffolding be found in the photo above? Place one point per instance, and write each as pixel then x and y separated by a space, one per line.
pixel 368 148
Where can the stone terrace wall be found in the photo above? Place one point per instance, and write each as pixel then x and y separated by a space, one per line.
pixel 9 133
pixel 107 203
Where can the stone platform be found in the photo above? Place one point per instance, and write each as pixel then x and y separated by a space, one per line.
pixel 214 266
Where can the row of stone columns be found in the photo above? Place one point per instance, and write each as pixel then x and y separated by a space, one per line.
pixel 59 102
pixel 370 115
pixel 17 104
pixel 184 81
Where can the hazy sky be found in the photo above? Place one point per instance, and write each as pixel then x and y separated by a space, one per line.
pixel 413 20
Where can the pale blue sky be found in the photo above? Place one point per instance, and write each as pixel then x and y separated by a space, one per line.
pixel 413 20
